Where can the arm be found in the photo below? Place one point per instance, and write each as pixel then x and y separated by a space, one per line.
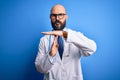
pixel 86 46
pixel 44 61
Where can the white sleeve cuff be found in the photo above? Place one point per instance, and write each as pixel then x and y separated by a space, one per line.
pixel 52 59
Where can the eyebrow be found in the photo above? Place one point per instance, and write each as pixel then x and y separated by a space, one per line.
pixel 58 14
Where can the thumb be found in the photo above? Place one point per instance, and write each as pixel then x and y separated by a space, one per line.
pixel 55 40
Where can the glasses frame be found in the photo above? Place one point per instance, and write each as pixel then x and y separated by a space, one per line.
pixel 60 16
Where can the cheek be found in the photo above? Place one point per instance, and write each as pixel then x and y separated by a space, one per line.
pixel 52 21
pixel 62 21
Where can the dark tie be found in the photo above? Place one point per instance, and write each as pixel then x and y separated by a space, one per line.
pixel 60 47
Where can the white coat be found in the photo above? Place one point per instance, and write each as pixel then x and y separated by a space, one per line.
pixel 69 68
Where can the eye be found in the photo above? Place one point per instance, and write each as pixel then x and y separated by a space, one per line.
pixel 53 14
pixel 60 16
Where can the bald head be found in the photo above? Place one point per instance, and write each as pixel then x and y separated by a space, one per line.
pixel 58 17
pixel 58 9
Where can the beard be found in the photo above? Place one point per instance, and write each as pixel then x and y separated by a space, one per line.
pixel 57 25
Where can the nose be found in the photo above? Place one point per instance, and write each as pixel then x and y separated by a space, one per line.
pixel 57 18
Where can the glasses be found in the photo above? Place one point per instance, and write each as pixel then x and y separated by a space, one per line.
pixel 60 16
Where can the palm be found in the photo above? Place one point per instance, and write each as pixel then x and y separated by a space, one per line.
pixel 54 47
pixel 57 33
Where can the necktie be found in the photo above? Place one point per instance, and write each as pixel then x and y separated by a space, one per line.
pixel 60 47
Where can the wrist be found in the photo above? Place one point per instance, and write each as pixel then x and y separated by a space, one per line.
pixel 51 54
pixel 65 34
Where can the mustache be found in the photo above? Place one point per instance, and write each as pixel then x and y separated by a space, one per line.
pixel 57 22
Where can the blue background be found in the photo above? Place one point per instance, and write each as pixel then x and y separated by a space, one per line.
pixel 21 22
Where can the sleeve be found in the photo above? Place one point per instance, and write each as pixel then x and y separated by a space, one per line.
pixel 44 61
pixel 85 45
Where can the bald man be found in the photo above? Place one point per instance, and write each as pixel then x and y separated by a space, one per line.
pixel 60 50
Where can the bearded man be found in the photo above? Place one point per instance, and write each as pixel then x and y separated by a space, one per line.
pixel 60 50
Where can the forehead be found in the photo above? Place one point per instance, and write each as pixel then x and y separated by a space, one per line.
pixel 58 9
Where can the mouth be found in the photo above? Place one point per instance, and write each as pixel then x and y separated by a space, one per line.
pixel 57 23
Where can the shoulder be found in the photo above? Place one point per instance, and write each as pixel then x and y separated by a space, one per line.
pixel 44 38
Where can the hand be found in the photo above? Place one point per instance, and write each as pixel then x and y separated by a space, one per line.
pixel 56 33
pixel 54 47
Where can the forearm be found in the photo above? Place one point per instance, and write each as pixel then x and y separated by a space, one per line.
pixel 86 45
pixel 44 63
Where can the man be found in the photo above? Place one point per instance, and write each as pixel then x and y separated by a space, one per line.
pixel 60 49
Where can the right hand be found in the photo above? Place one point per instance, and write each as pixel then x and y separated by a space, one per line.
pixel 54 47
pixel 56 33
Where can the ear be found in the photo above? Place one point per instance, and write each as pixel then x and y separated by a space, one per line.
pixel 66 16
pixel 50 17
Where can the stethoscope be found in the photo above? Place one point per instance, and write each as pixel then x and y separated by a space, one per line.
pixel 49 44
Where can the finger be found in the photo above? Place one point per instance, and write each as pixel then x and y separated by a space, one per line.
pixel 47 33
pixel 55 41
pixel 58 33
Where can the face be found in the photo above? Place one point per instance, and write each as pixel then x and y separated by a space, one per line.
pixel 58 17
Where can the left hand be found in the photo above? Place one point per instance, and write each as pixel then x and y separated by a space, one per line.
pixel 54 47
pixel 56 33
